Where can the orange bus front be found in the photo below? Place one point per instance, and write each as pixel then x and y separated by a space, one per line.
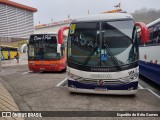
pixel 45 54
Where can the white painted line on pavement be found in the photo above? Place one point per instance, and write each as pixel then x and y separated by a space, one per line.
pixel 154 93
pixel 7 74
pixel 26 72
pixel 140 86
pixel 62 82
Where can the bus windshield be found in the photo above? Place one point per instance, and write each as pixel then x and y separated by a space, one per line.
pixel 43 47
pixel 104 44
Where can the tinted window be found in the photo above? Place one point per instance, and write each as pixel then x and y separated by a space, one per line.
pixel 84 44
pixel 112 44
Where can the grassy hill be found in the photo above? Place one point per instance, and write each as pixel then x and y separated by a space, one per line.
pixel 146 15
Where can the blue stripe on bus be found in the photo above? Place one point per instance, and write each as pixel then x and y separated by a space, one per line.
pixel 150 70
pixel 76 84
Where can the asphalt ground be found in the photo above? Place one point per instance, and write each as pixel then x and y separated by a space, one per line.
pixel 39 92
pixel 146 83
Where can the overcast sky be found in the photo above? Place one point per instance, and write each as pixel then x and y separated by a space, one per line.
pixel 60 9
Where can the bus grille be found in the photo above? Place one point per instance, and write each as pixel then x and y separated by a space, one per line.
pixel 106 82
pixel 96 81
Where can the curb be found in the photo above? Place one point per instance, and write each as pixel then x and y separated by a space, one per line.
pixel 7 101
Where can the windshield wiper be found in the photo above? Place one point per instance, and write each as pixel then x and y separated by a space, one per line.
pixel 113 57
pixel 89 57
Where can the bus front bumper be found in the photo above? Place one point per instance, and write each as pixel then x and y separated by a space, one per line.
pixel 38 68
pixel 119 89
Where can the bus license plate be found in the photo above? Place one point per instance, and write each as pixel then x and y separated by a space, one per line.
pixel 42 68
pixel 101 89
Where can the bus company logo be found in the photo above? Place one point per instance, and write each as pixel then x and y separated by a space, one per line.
pixel 101 76
pixel 101 82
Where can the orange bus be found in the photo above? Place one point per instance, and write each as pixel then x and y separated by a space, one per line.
pixel 46 52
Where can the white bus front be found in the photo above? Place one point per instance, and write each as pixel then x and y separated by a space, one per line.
pixel 103 56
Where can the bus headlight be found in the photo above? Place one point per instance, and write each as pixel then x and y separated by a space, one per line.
pixel 72 77
pixel 130 78
pixel 134 76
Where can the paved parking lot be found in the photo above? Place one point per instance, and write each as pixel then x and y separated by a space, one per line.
pixel 39 92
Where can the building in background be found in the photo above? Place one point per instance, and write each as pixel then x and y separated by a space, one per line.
pixel 16 21
pixel 55 26
pixel 52 27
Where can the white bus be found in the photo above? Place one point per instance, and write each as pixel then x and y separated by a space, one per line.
pixel 149 64
pixel 102 54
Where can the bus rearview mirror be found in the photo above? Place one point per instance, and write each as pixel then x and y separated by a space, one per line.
pixel 144 31
pixel 59 48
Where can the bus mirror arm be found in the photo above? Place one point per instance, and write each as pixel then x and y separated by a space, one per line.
pixel 144 31
pixel 60 35
pixel 61 38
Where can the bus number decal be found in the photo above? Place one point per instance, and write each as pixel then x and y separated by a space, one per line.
pixel 131 72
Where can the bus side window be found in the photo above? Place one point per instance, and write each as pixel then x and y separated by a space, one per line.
pixel 154 35
pixel 158 37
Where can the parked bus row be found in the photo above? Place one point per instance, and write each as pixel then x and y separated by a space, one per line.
pixel 102 53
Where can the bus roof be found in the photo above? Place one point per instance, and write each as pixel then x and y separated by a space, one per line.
pixel 102 17
pixel 8 46
pixel 153 23
pixel 53 33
